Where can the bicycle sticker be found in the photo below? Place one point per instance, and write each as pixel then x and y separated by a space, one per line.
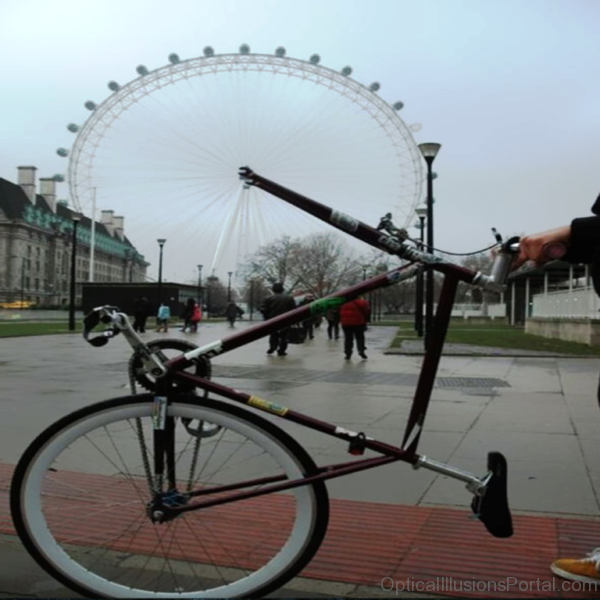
pixel 394 277
pixel 324 304
pixel 266 405
pixel 209 350
pixel 343 221
pixel 389 242
pixel 159 412
pixel 353 434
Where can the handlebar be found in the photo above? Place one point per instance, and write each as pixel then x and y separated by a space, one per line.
pixel 505 257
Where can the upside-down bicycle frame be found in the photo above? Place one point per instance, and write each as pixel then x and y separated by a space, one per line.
pixel 358 442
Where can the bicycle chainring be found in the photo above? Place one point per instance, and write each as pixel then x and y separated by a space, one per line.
pixel 201 367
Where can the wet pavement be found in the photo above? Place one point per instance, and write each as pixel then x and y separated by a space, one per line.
pixel 540 411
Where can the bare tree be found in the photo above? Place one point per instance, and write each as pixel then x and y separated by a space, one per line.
pixel 323 263
pixel 319 264
pixel 253 293
pixel 273 262
pixel 215 296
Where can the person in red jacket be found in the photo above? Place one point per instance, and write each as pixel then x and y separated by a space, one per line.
pixel 353 319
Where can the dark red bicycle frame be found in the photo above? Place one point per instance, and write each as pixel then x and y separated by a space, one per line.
pixel 453 274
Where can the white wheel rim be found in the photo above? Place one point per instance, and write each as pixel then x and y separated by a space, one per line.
pixel 47 545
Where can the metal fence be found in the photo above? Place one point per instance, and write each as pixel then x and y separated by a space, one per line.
pixel 580 303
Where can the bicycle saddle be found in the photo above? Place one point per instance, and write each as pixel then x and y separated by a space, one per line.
pixel 492 507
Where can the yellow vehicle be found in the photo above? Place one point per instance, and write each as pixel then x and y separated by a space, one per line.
pixel 17 304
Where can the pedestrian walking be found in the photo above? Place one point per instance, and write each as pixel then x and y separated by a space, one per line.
pixel 141 311
pixel 354 316
pixel 273 306
pixel 188 312
pixel 308 324
pixel 233 312
pixel 333 323
pixel 196 317
pixel 582 242
pixel 163 316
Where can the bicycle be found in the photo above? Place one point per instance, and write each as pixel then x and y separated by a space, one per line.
pixel 175 494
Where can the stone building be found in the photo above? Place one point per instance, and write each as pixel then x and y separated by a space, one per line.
pixel 36 241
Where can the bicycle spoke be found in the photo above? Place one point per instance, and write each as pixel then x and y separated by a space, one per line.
pixel 88 487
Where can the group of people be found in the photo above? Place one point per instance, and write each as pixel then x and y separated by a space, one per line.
pixel 352 316
pixel 192 315
pixel 142 309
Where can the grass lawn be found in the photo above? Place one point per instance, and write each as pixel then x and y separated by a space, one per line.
pixel 19 328
pixel 499 335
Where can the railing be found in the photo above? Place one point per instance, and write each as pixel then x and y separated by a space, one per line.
pixel 580 303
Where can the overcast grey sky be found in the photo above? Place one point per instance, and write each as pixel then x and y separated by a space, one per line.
pixel 509 88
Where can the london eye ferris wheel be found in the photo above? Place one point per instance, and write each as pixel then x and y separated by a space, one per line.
pixel 164 151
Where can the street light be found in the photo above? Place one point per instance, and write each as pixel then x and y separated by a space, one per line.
pixel 161 243
pixel 421 212
pixel 200 286
pixel 230 273
pixel 75 217
pixel 429 152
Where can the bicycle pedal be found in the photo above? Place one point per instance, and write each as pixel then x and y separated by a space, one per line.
pixel 491 508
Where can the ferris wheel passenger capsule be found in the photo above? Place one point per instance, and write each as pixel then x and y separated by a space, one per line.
pixel 90 105
pixel 114 86
pixel 374 86
pixel 173 58
pixel 244 49
pixel 347 71
pixel 208 51
pixel 142 70
pixel 315 59
pixel 280 52
pixel 62 152
pixel 73 128
pixel 398 105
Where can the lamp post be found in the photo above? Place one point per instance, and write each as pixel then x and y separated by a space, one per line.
pixel 75 217
pixel 22 280
pixel 421 212
pixel 200 286
pixel 230 273
pixel 429 152
pixel 161 243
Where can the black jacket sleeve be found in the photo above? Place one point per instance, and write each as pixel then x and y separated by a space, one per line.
pixel 585 240
pixel 584 245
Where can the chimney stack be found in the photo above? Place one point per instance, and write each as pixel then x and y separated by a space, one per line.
pixel 27 181
pixel 118 225
pixel 106 219
pixel 48 190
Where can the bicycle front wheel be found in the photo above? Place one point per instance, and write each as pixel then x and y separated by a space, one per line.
pixel 79 500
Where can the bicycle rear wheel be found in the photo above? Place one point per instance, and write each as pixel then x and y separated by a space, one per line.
pixel 79 502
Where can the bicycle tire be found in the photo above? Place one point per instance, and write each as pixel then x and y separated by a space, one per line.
pixel 46 495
